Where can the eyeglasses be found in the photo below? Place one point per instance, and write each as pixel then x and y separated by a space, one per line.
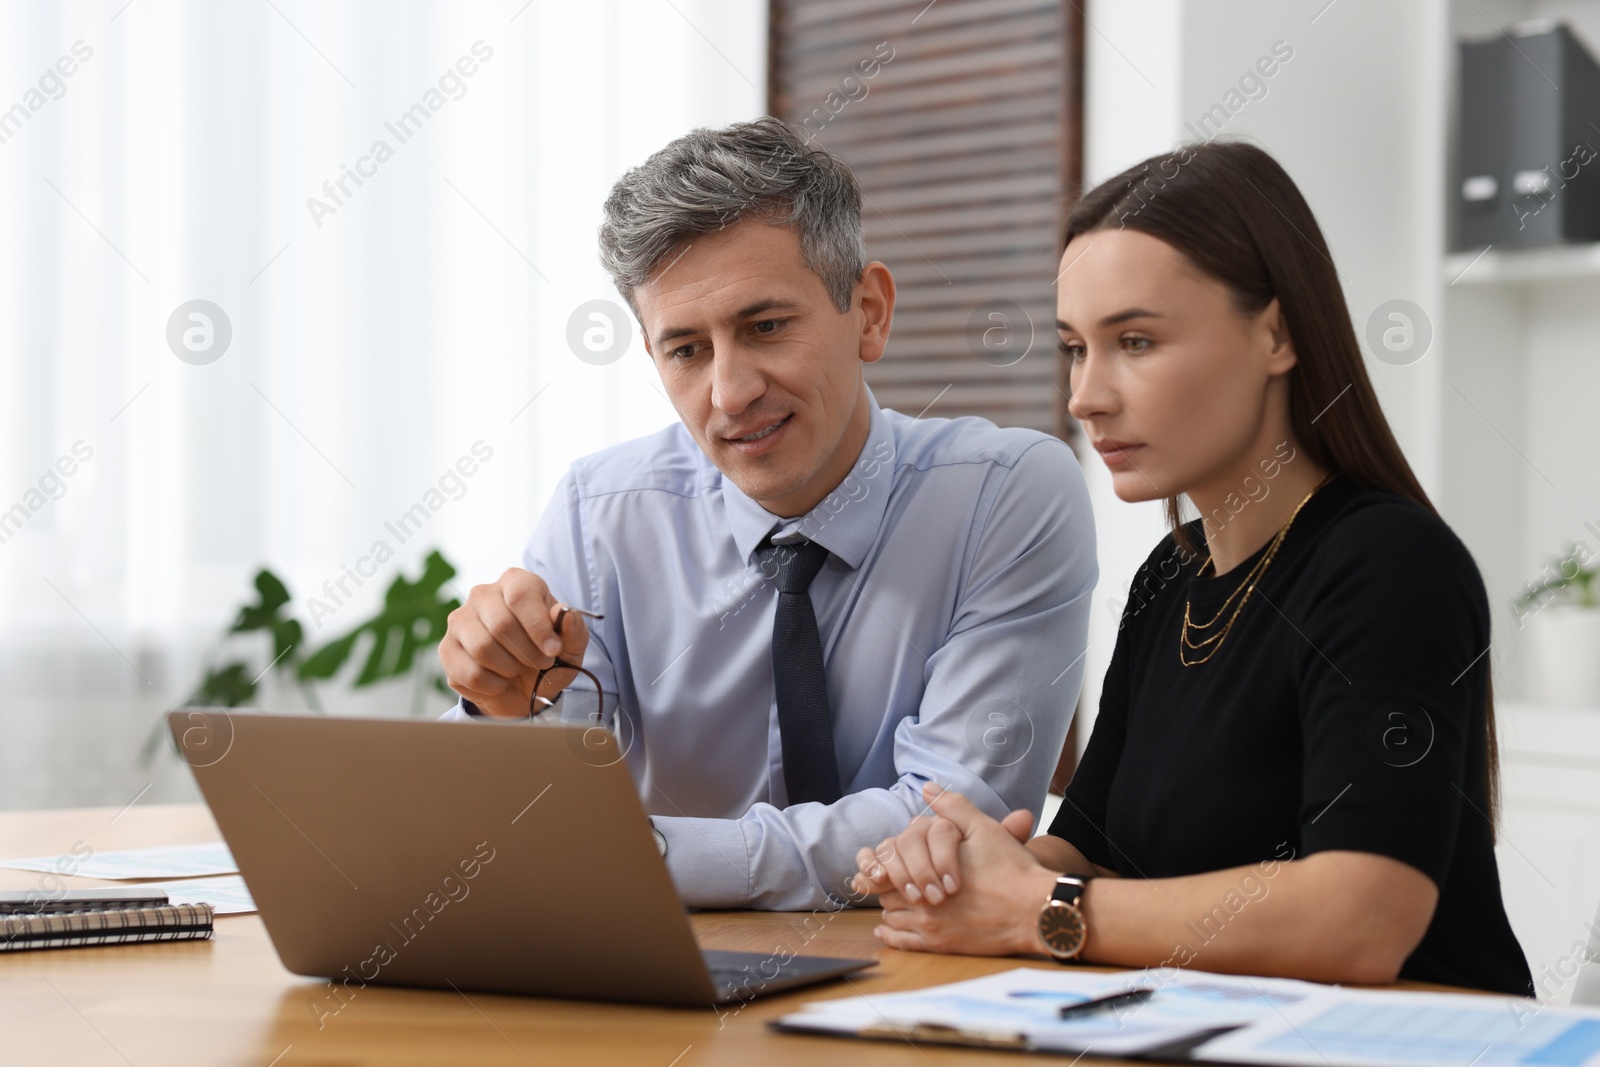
pixel 538 704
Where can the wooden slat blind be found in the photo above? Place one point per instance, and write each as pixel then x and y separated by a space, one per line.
pixel 967 141
pixel 968 146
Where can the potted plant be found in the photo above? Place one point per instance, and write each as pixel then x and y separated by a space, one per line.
pixel 1562 609
pixel 397 644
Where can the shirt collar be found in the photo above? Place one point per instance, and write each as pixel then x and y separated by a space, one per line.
pixel 846 522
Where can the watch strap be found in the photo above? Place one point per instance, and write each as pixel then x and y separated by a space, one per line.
pixel 1069 888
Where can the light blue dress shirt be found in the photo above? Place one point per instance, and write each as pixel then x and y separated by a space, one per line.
pixel 953 612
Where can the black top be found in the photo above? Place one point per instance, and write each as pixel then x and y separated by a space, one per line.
pixel 1345 710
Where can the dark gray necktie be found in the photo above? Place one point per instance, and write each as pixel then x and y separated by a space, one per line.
pixel 810 770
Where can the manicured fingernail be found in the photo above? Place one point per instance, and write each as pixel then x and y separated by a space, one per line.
pixel 949 883
pixel 913 894
pixel 933 893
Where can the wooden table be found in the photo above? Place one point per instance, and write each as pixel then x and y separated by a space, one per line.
pixel 229 1001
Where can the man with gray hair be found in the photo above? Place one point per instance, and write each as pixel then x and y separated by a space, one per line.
pixel 805 606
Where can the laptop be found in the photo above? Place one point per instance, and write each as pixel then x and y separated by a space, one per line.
pixel 500 857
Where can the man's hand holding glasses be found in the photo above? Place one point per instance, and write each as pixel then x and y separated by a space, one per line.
pixel 512 648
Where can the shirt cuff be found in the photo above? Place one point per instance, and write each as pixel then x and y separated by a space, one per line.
pixel 456 714
pixel 708 860
pixel 465 711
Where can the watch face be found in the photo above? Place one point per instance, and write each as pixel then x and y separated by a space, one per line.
pixel 1061 926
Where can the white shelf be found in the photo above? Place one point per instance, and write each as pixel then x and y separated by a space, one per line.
pixel 1513 265
pixel 1560 735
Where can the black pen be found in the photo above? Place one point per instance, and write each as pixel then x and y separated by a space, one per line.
pixel 1112 1000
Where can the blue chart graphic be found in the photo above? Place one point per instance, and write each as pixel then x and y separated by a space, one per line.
pixel 1415 1034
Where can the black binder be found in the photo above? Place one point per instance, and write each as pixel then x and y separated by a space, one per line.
pixel 1529 164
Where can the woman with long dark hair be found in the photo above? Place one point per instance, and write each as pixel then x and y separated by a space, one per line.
pixel 1292 772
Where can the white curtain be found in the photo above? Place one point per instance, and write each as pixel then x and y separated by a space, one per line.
pixel 394 207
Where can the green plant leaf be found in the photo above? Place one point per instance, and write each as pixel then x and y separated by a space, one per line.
pixel 265 615
pixel 326 661
pixel 1571 582
pixel 286 634
pixel 413 618
pixel 227 686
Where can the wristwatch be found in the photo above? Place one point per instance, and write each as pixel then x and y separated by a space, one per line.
pixel 661 838
pixel 1062 926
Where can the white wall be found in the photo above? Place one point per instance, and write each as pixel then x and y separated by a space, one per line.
pixel 1132 80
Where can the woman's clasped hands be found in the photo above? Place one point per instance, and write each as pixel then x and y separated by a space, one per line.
pixel 958 881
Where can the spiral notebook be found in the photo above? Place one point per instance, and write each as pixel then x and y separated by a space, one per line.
pixel 115 926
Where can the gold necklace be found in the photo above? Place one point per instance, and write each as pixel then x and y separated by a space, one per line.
pixel 1243 592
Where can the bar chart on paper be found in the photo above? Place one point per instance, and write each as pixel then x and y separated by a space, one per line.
pixel 1360 1029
